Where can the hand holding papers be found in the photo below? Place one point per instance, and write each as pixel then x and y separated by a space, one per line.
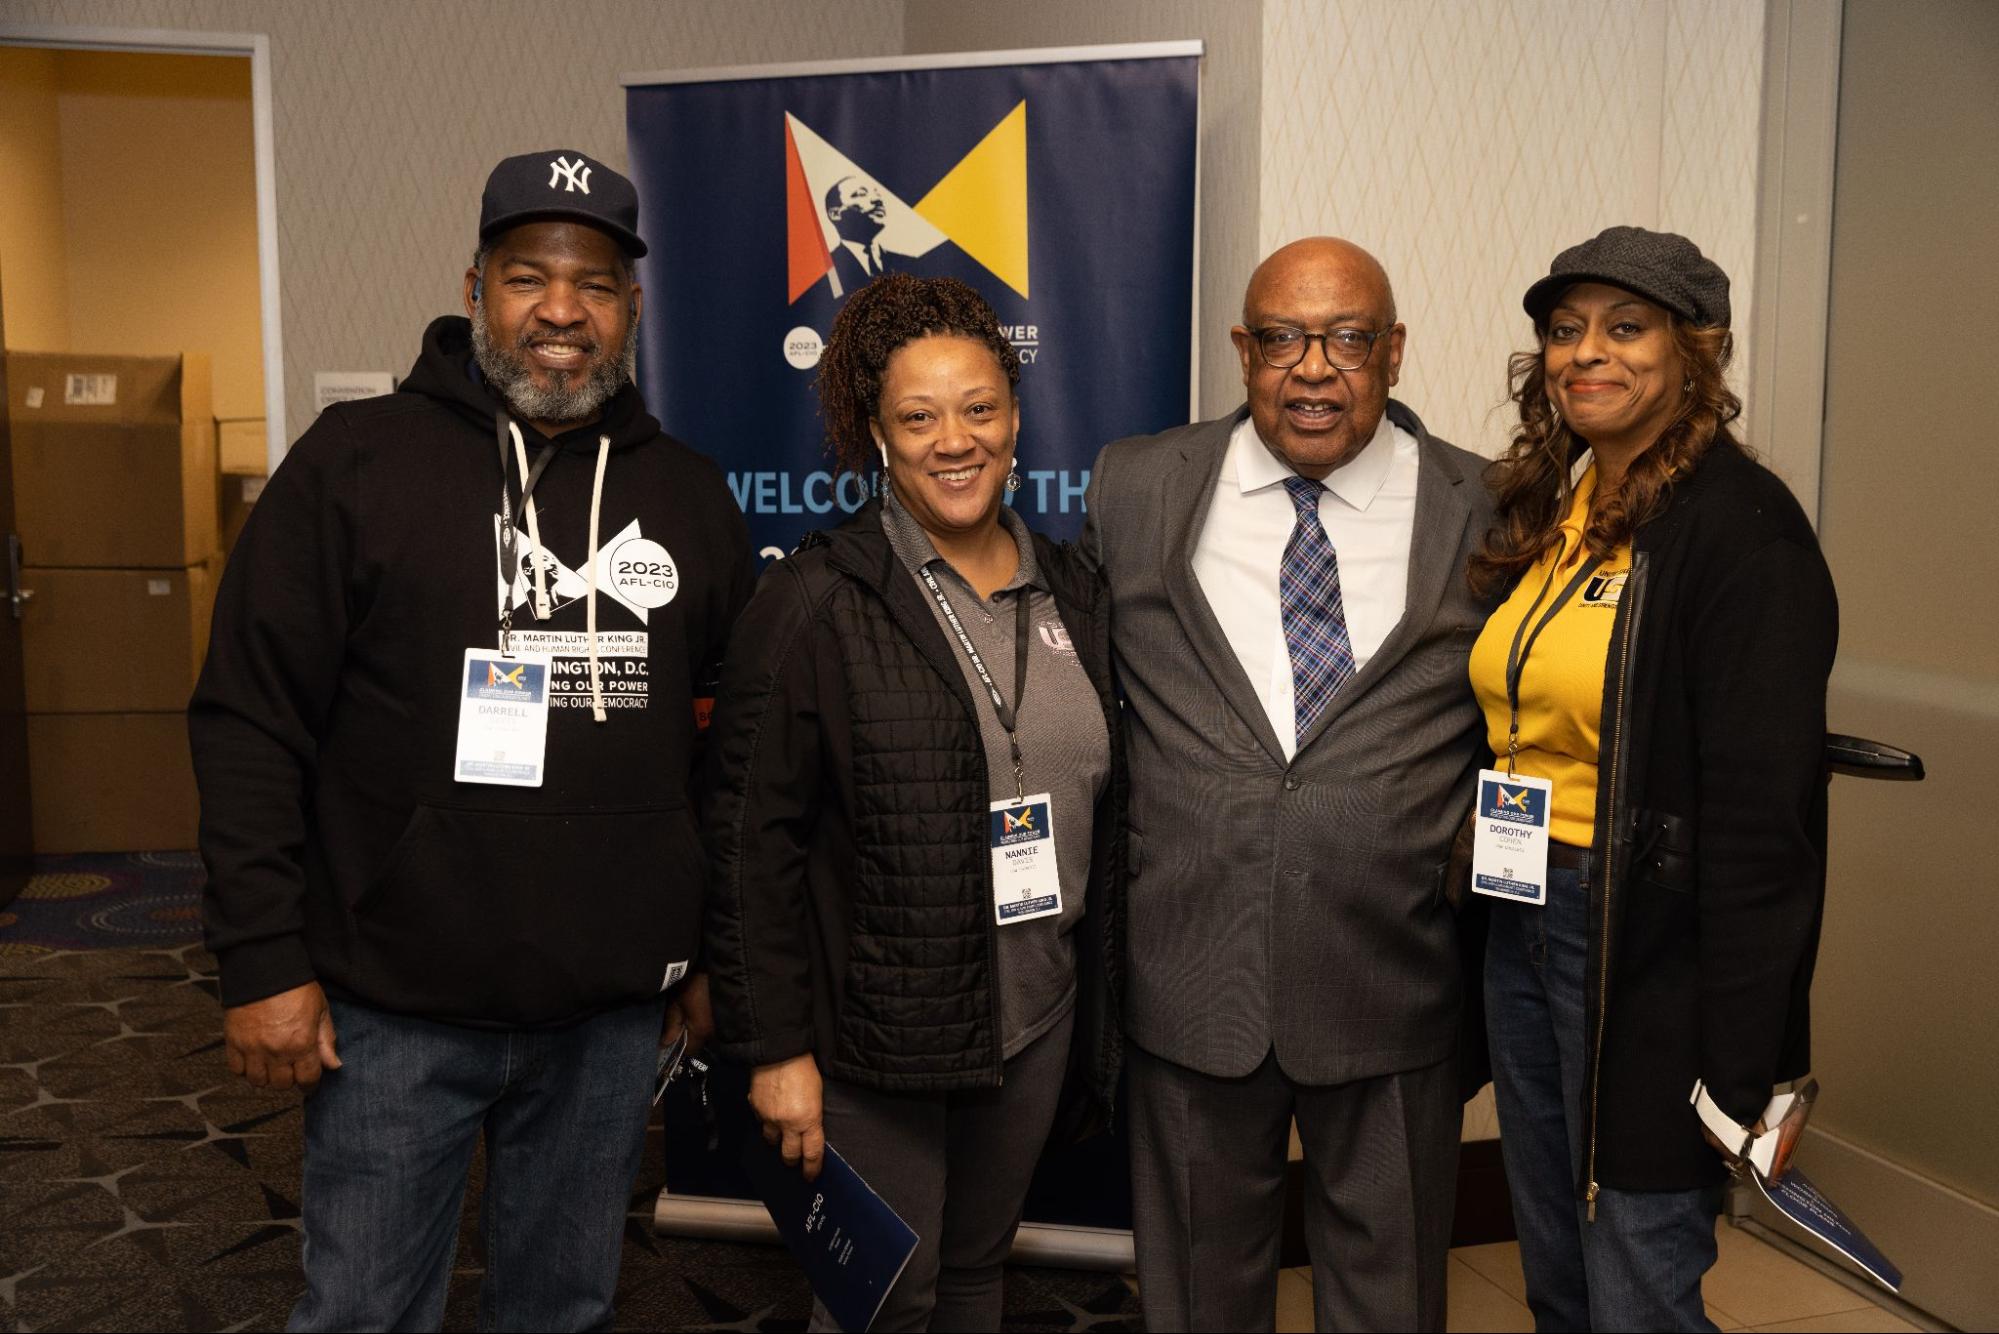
pixel 1763 1154
pixel 852 1246
pixel 1767 1146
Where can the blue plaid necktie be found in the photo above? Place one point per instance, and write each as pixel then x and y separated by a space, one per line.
pixel 1315 621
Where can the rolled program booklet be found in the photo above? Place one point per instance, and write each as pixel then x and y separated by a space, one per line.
pixel 1762 1153
pixel 851 1244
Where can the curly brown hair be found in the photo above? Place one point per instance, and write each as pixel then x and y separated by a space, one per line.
pixel 894 309
pixel 1531 482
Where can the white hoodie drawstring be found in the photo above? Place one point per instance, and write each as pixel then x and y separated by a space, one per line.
pixel 596 504
pixel 534 528
pixel 590 566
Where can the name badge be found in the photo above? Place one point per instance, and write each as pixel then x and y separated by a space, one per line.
pixel 502 718
pixel 1509 858
pixel 1025 883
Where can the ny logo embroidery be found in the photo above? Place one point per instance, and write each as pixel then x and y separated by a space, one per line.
pixel 576 174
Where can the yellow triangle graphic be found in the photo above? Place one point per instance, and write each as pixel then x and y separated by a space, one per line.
pixel 982 203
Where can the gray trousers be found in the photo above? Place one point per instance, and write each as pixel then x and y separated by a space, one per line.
pixel 956 1166
pixel 1208 1158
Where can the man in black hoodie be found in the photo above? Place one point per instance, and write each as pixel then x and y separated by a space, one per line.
pixel 443 738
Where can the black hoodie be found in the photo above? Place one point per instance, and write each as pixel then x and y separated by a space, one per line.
pixel 324 725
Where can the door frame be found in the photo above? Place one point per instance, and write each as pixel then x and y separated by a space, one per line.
pixel 257 46
pixel 1787 327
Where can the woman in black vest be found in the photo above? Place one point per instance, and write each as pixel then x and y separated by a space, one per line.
pixel 917 822
pixel 1661 662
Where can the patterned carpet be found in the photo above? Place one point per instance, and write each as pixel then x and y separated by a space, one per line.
pixel 142 1188
pixel 136 900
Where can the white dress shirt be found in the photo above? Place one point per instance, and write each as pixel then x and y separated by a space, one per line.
pixel 1369 512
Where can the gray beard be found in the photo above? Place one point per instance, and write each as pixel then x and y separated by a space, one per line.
pixel 572 396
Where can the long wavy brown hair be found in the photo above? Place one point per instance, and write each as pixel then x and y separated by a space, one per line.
pixel 1531 482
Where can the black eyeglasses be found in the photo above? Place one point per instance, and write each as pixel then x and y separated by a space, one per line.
pixel 1283 347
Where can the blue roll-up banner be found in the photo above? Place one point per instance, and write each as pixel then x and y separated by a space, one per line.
pixel 1059 184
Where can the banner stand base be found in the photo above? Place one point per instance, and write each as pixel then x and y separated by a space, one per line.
pixel 1059 1245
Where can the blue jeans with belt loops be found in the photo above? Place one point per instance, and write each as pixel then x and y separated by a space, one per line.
pixel 1639 1265
pixel 389 1139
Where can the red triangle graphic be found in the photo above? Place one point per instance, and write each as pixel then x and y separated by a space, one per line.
pixel 805 244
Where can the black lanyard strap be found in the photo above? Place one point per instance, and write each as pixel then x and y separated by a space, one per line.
pixel 1516 655
pixel 510 516
pixel 1008 714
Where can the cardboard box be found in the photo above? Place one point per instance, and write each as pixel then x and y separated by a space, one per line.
pixel 114 641
pixel 114 460
pixel 240 447
pixel 111 782
pixel 237 494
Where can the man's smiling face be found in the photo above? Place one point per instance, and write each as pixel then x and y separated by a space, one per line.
pixel 1311 416
pixel 552 321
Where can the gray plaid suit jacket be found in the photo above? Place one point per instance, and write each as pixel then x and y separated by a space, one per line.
pixel 1294 906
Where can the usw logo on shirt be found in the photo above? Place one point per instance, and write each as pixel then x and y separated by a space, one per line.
pixel 1603 590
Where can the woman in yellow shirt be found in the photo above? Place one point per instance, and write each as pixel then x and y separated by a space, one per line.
pixel 1660 661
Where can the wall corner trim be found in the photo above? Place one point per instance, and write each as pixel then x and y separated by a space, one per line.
pixel 1788 326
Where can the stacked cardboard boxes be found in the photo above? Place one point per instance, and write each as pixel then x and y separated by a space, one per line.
pixel 115 501
pixel 240 453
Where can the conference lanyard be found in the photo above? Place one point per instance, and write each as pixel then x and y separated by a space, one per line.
pixel 510 520
pixel 1009 714
pixel 1516 655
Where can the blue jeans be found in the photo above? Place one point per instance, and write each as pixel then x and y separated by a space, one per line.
pixel 1639 1265
pixel 389 1139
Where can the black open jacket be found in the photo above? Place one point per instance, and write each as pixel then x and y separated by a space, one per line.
pixel 850 912
pixel 1711 813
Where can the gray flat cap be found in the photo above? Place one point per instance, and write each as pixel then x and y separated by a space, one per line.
pixel 1663 268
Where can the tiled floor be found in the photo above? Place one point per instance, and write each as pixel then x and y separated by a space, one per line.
pixel 1751 1287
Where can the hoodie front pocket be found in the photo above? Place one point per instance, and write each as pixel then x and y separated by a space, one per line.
pixel 528 918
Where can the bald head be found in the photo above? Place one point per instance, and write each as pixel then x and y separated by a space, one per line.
pixel 1311 413
pixel 1318 261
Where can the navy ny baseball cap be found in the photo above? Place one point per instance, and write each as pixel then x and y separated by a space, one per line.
pixel 561 184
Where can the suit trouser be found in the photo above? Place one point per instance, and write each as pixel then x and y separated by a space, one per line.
pixel 1208 1161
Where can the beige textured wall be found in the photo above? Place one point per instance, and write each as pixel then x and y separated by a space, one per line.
pixel 388 115
pixel 1229 110
pixel 1907 1039
pixel 159 207
pixel 1467 141
pixel 34 259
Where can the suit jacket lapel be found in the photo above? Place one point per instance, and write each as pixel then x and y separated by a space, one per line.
pixel 1443 509
pixel 1188 494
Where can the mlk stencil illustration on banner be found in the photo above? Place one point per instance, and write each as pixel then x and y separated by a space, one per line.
pixel 844 227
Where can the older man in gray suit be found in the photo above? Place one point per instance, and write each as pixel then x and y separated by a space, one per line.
pixel 1291 623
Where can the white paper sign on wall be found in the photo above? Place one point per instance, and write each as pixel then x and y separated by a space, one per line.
pixel 330 387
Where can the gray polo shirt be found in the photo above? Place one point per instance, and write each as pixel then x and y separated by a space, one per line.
pixel 1064 748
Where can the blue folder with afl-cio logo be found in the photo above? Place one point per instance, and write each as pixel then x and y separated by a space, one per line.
pixel 851 1245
